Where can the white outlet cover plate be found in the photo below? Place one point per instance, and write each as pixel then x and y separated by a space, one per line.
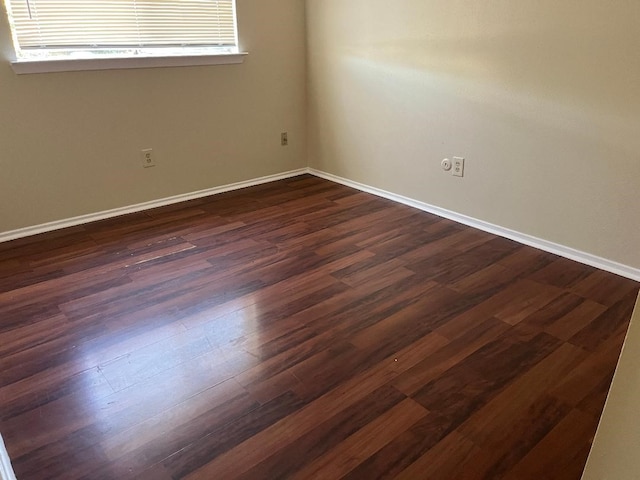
pixel 147 157
pixel 458 167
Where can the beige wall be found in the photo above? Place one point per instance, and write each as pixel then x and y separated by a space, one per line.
pixel 542 97
pixel 69 142
pixel 614 455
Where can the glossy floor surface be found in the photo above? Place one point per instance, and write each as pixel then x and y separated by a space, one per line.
pixel 300 329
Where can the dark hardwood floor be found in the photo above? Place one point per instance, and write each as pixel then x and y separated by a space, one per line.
pixel 300 329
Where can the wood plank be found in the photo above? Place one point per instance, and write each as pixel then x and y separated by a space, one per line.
pixel 497 420
pixel 362 444
pixel 554 456
pixel 314 444
pixel 441 461
pixel 445 358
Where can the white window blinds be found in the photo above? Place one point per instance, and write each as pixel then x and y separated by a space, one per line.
pixel 114 25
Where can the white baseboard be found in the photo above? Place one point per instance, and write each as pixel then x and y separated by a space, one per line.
pixel 6 472
pixel 116 212
pixel 547 246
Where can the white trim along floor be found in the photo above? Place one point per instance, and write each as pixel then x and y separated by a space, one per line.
pixel 6 471
pixel 551 247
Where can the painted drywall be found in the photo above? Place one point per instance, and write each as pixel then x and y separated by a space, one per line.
pixel 541 97
pixel 69 142
pixel 614 455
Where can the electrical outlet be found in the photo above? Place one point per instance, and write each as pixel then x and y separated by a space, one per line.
pixel 446 165
pixel 284 139
pixel 458 167
pixel 147 157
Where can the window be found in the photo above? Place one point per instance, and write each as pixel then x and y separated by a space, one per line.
pixel 50 31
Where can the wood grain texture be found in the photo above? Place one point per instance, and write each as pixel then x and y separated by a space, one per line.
pixel 300 329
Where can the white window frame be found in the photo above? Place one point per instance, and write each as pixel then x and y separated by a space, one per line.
pixel 144 58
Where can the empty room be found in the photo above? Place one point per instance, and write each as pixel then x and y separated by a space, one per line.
pixel 319 239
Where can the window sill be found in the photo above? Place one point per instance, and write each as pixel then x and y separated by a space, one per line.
pixel 80 64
